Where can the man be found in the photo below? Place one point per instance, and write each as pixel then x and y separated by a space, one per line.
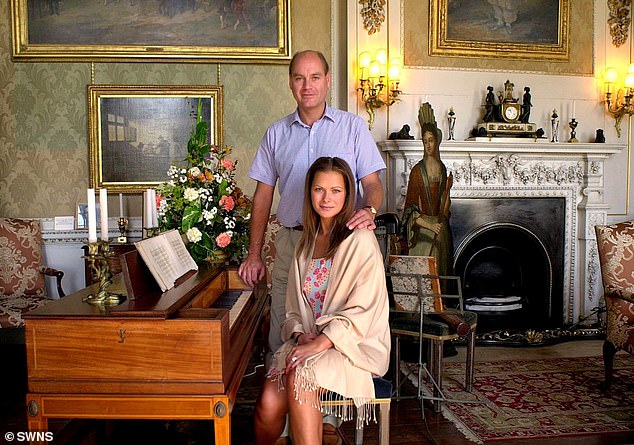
pixel 286 151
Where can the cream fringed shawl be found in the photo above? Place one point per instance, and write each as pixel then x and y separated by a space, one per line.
pixel 355 319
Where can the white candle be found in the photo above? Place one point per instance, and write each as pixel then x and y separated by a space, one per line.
pixel 147 221
pixel 92 217
pixel 154 210
pixel 103 204
pixel 120 205
pixel 574 106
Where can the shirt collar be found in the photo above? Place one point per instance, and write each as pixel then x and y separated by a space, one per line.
pixel 328 113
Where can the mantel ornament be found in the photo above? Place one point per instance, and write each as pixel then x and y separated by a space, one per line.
pixel 619 20
pixel 505 115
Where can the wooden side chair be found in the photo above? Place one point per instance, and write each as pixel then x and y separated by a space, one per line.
pixel 382 399
pixel 22 286
pixel 616 255
pixel 422 311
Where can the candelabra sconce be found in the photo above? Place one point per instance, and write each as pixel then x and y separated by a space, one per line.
pixel 98 254
pixel 573 126
pixel 376 86
pixel 123 224
pixel 622 104
pixel 151 232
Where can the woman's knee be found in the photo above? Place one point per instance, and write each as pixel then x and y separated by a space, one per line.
pixel 271 404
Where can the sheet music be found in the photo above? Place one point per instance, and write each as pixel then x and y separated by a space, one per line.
pixel 167 257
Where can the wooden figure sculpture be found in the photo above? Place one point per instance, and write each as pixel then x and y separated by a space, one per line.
pixel 427 202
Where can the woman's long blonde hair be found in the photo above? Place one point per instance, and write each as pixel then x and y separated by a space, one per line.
pixel 311 218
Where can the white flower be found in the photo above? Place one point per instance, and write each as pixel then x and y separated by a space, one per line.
pixel 182 179
pixel 218 178
pixel 214 212
pixel 194 171
pixel 248 217
pixel 172 171
pixel 194 235
pixel 230 223
pixel 208 216
pixel 191 194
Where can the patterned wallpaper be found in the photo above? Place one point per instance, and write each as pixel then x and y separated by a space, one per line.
pixel 43 123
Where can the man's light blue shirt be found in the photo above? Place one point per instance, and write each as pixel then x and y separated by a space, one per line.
pixel 289 147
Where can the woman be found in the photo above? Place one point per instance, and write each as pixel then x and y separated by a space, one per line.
pixel 336 329
pixel 426 210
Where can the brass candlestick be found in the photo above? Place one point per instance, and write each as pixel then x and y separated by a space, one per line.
pixel 123 223
pixel 151 231
pixel 98 254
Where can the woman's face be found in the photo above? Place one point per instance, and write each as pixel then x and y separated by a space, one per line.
pixel 429 142
pixel 328 194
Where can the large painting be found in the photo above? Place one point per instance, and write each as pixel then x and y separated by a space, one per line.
pixel 137 132
pixel 519 29
pixel 150 29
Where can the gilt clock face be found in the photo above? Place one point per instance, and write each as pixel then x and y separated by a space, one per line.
pixel 510 112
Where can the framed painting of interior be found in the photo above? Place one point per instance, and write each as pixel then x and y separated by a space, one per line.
pixel 188 30
pixel 521 29
pixel 135 133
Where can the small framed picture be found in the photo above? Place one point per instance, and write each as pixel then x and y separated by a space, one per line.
pixel 81 219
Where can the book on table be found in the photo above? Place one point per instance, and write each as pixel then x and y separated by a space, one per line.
pixel 167 258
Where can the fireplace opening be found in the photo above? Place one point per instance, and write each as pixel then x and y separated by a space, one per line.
pixel 507 278
pixel 509 254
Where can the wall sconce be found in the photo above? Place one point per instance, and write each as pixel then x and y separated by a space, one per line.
pixel 378 81
pixel 622 105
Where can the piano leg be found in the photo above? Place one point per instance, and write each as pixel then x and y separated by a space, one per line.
pixel 36 423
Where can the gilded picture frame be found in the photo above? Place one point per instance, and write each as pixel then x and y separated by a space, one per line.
pixel 133 30
pixel 135 133
pixel 464 28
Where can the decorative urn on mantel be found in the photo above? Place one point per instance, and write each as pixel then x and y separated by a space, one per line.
pixel 530 168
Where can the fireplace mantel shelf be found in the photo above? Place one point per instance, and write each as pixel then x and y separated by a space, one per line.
pixel 537 147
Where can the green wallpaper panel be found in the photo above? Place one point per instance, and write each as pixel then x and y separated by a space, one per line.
pixel 43 122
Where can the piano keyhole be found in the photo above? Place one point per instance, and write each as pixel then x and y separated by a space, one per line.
pixel 121 335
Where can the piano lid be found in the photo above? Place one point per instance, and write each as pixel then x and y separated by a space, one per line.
pixel 154 304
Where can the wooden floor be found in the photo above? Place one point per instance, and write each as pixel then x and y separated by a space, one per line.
pixel 407 422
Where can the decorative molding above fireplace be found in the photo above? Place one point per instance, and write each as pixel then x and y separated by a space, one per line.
pixel 531 169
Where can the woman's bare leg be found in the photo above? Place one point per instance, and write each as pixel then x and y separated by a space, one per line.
pixel 270 413
pixel 306 421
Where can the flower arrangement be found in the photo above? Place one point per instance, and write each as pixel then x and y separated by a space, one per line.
pixel 203 201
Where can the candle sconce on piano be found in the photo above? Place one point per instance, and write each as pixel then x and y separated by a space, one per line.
pixel 97 257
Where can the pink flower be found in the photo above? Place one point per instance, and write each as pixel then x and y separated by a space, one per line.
pixel 223 240
pixel 227 164
pixel 227 203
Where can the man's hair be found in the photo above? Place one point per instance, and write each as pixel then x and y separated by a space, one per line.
pixel 324 62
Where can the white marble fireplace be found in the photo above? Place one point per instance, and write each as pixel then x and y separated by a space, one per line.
pixel 526 168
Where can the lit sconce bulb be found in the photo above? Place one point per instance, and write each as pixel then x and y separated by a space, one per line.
pixel 381 56
pixel 375 69
pixel 364 59
pixel 395 70
pixel 629 82
pixel 611 74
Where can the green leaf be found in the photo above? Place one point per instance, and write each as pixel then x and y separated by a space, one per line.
pixel 191 216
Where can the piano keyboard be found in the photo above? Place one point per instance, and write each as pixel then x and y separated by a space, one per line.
pixel 235 301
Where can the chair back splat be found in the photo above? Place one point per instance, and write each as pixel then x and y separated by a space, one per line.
pixel 423 312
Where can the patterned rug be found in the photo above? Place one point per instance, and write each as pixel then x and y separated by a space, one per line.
pixel 527 399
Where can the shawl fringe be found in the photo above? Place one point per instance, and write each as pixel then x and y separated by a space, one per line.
pixel 307 391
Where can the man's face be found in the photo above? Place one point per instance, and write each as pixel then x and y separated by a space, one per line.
pixel 309 83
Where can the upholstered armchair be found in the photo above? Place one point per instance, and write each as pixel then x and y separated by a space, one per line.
pixel 616 256
pixel 22 286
